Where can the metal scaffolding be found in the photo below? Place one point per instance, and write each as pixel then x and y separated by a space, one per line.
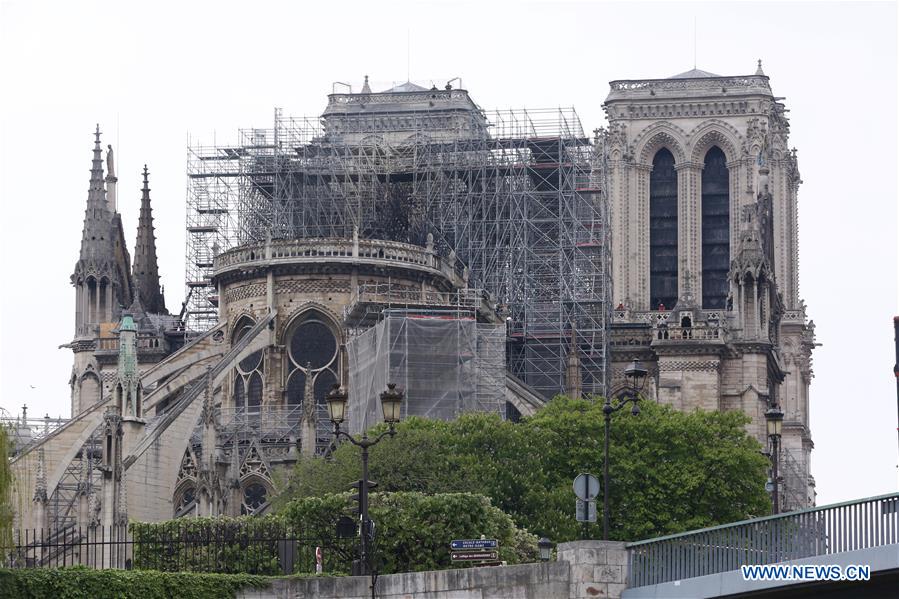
pixel 516 195
pixel 446 365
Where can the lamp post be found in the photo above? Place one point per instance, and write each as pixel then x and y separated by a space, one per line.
pixel 774 418
pixel 545 546
pixel 636 376
pixel 391 403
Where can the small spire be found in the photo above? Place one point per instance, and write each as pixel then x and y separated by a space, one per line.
pixel 146 267
pixel 365 88
pixel 96 184
pixel 759 70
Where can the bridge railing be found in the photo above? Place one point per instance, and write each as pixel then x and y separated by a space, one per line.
pixel 818 531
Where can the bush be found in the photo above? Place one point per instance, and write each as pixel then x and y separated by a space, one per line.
pixel 249 544
pixel 84 583
pixel 414 530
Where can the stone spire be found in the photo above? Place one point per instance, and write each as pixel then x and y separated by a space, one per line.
pixel 365 87
pixel 96 246
pixel 94 273
pixel 146 269
pixel 759 70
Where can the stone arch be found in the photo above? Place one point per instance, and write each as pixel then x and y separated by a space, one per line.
pixel 184 500
pixel 714 133
pixel 300 313
pixel 90 387
pixel 314 360
pixel 241 321
pixel 658 136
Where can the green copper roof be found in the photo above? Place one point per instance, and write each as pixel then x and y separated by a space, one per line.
pixel 127 324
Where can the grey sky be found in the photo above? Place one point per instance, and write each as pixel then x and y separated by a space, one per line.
pixel 152 75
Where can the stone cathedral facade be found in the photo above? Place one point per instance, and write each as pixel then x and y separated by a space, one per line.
pixel 703 199
pixel 702 191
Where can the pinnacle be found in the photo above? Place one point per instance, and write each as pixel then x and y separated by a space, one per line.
pixel 146 268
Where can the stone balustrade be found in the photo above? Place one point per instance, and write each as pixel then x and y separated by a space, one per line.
pixel 701 332
pixel 333 249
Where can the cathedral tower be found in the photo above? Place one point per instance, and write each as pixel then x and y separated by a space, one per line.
pixel 105 287
pixel 703 203
pixel 102 281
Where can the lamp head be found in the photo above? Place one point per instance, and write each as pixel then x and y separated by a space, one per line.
pixel 392 403
pixel 337 400
pixel 774 418
pixel 546 549
pixel 636 375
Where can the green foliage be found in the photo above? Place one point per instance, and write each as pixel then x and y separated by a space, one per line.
pixel 253 545
pixel 414 530
pixel 85 583
pixel 6 483
pixel 671 471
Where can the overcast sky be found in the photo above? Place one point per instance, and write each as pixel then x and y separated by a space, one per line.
pixel 154 73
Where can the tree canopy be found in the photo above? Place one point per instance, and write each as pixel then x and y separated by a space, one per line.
pixel 6 482
pixel 670 471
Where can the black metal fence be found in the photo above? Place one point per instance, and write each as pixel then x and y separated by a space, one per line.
pixel 237 548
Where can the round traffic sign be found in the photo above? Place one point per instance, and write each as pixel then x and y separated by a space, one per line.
pixel 586 487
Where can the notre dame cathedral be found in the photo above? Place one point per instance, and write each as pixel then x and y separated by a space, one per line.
pixel 483 262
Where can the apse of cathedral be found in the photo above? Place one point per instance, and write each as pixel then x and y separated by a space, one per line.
pixel 482 261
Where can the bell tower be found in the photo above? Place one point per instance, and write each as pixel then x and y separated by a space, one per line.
pixel 703 202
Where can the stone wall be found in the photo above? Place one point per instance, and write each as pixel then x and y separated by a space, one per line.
pixel 598 568
pixel 584 569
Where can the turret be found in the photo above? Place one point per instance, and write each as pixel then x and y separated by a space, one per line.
pixel 127 390
pixel 101 277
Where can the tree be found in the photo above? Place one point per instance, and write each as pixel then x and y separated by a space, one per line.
pixel 671 471
pixel 6 483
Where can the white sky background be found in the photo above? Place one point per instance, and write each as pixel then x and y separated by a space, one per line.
pixel 152 73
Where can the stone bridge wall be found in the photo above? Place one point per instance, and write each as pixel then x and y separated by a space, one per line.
pixel 584 570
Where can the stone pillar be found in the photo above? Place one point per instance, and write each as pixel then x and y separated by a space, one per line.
pixel 689 227
pixel 598 568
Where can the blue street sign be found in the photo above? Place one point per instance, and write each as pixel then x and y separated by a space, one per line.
pixel 474 544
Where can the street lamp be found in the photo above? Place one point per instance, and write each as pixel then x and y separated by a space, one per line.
pixel 635 374
pixel 391 404
pixel 546 549
pixel 774 419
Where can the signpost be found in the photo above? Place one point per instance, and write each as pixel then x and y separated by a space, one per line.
pixel 586 487
pixel 475 550
pixel 474 556
pixel 585 511
pixel 474 544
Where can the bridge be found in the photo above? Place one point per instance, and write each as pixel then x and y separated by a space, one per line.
pixel 708 562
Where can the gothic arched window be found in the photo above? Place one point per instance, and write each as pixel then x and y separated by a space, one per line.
pixel 248 386
pixel 255 496
pixel 662 231
pixel 715 229
pixel 312 356
pixel 185 501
